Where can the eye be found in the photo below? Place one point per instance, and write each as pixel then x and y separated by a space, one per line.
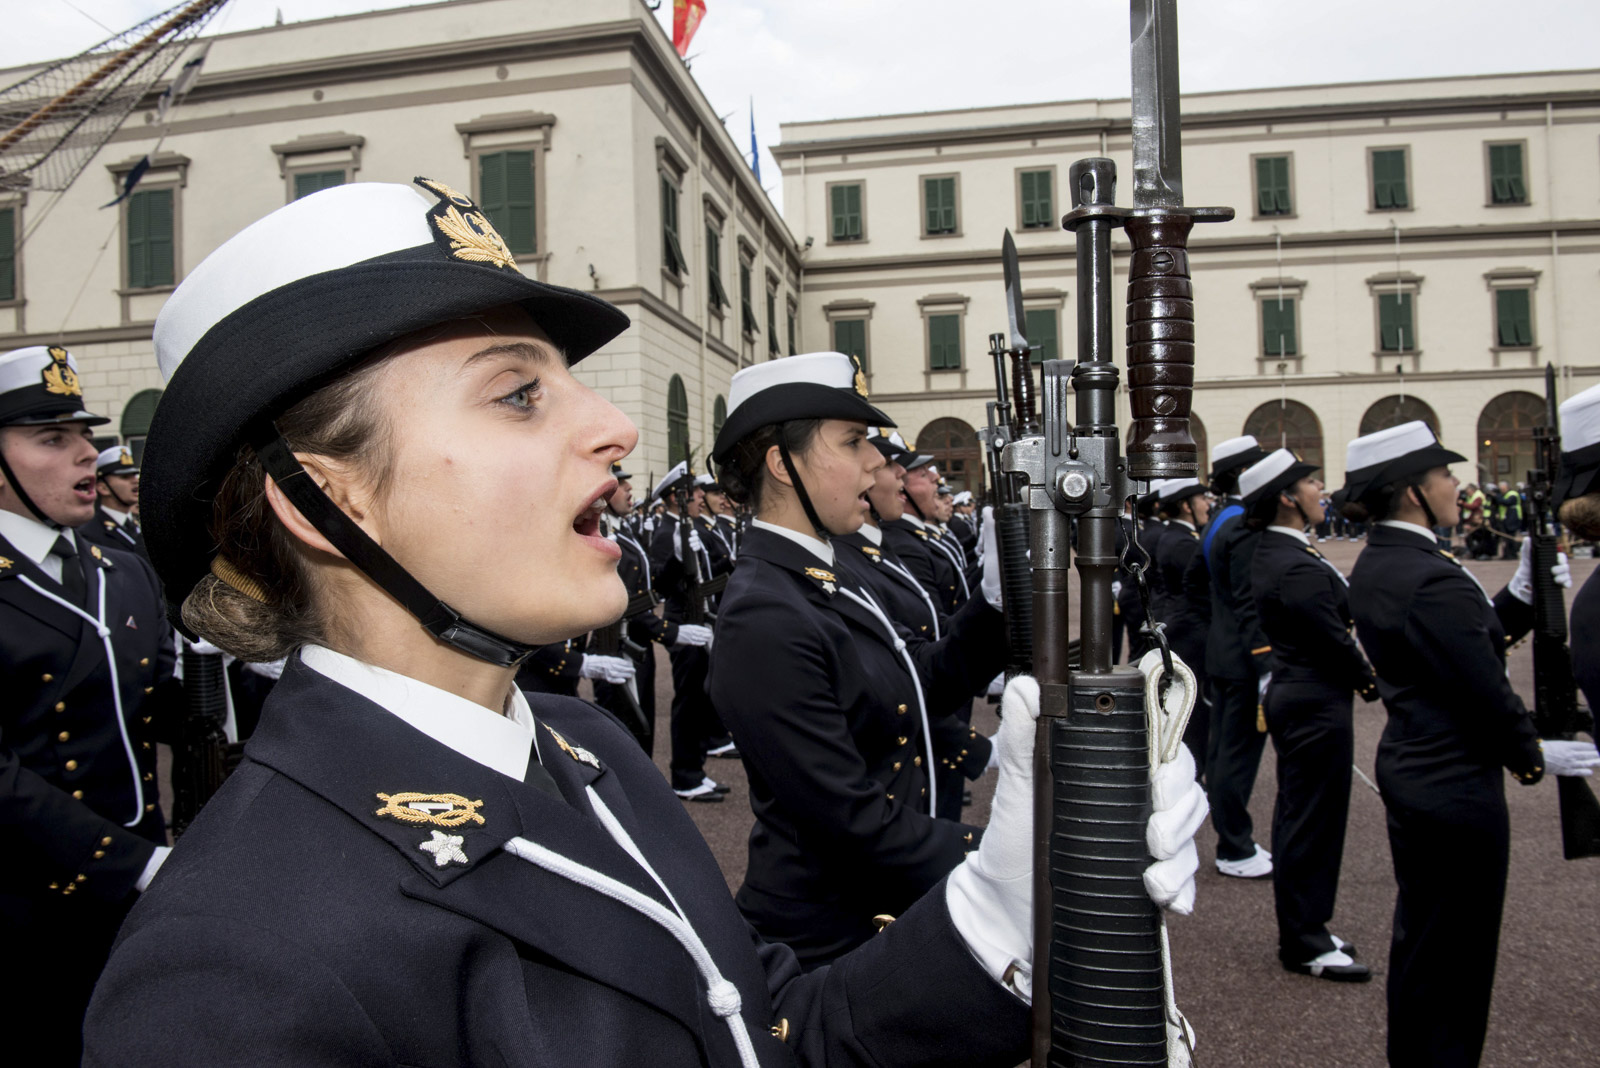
pixel 524 397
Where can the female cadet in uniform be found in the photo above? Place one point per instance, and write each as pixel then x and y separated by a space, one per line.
pixel 414 863
pixel 831 705
pixel 1577 493
pixel 1438 645
pixel 1305 613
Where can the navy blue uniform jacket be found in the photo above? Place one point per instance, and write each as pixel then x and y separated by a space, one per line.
pixel 293 925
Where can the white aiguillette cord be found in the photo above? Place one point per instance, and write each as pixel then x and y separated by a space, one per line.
pixel 111 665
pixel 721 995
pixel 1168 718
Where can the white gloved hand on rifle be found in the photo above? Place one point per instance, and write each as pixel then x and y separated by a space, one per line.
pixel 991 587
pixel 1570 758
pixel 1521 584
pixel 694 543
pixel 613 669
pixel 692 634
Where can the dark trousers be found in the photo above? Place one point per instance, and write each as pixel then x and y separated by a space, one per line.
pixel 1450 863
pixel 641 723
pixel 1232 761
pixel 58 946
pixel 693 722
pixel 1510 550
pixel 952 782
pixel 1310 723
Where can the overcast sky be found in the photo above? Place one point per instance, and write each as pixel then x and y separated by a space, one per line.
pixel 820 59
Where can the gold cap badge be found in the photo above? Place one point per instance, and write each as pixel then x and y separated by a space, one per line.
pixel 861 377
pixel 59 377
pixel 438 810
pixel 464 227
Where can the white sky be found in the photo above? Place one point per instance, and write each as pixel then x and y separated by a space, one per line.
pixel 819 59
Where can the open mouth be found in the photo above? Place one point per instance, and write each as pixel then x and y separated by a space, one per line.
pixel 84 488
pixel 587 522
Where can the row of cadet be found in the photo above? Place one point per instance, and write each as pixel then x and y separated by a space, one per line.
pixel 372 463
pixel 1285 642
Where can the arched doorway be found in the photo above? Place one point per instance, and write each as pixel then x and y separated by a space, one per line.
pixel 1397 409
pixel 136 416
pixel 954 447
pixel 1505 435
pixel 677 422
pixel 1287 424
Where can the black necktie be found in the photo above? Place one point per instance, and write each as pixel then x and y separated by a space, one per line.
pixel 71 571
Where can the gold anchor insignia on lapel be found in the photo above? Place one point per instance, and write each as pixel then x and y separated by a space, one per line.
pixel 825 577
pixel 576 752
pixel 439 810
pixel 5 563
pixel 871 552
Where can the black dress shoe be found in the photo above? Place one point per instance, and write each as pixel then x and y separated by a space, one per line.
pixel 1351 972
pixel 1347 948
pixel 718 787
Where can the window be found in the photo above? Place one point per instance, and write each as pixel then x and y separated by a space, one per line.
pixel 719 415
pixel 1513 318
pixel 773 348
pixel 939 206
pixel 671 252
pixel 1389 191
pixel 1037 208
pixel 505 193
pixel 8 253
pixel 792 348
pixel 1287 424
pixel 1277 327
pixel 1506 182
pixel 1272 186
pixel 747 312
pixel 844 203
pixel 136 416
pixel 944 342
pixel 150 224
pixel 850 338
pixel 677 422
pixel 308 182
pixel 1397 331
pixel 1043 334
pixel 1505 434
pixel 718 295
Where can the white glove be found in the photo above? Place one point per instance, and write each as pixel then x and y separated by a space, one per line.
pixel 1116 589
pixel 694 543
pixel 990 894
pixel 1180 808
pixel 991 561
pixel 1521 585
pixel 1262 684
pixel 612 669
pixel 692 634
pixel 1570 758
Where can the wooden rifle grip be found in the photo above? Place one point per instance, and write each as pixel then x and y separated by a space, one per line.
pixel 1160 346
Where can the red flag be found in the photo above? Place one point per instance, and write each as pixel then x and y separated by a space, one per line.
pixel 686 16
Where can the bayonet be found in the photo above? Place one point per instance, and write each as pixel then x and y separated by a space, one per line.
pixel 1157 122
pixel 1016 318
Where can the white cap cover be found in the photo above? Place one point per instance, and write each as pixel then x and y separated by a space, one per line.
pixel 1232 447
pixel 1382 446
pixel 1580 420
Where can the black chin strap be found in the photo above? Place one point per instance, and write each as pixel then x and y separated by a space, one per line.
pixel 438 618
pixel 1422 500
pixel 799 486
pixel 106 482
pixel 912 501
pixel 22 494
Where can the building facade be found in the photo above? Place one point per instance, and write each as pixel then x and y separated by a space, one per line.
pixel 572 122
pixel 1401 250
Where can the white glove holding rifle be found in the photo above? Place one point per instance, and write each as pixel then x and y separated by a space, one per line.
pixel 1521 584
pixel 992 590
pixel 694 544
pixel 692 635
pixel 613 669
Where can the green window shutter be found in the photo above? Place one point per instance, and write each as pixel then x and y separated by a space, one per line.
pixel 1514 315
pixel 8 254
pixel 315 182
pixel 850 338
pixel 939 195
pixel 719 415
pixel 505 193
pixel 677 421
pixel 944 342
pixel 1395 330
pixel 747 313
pixel 791 332
pixel 1272 186
pixel 772 323
pixel 1506 184
pixel 1040 326
pixel 1389 179
pixel 1277 327
pixel 671 252
pixel 1037 210
pixel 718 295
pixel 846 210
pixel 149 222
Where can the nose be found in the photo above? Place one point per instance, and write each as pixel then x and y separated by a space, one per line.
pixel 608 434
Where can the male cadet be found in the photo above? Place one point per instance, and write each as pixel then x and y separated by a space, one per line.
pixel 693 720
pixel 116 485
pixel 86 655
pixel 1238 664
pixel 914 540
pixel 1183 505
pixel 724 517
pixel 718 542
pixel 962 526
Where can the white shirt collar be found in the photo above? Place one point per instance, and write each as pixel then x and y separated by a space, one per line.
pixel 914 521
pixel 120 517
pixel 1401 524
pixel 1182 523
pixel 1293 533
pixel 810 542
pixel 504 743
pixel 872 533
pixel 32 538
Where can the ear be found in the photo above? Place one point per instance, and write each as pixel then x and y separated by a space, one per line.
pixel 337 489
pixel 777 470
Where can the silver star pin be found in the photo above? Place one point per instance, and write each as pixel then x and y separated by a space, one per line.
pixel 445 848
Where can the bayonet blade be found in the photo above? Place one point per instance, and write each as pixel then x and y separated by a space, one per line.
pixel 1015 316
pixel 1157 127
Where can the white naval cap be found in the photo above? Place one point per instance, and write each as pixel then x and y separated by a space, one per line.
pixel 812 385
pixel 1169 489
pixel 679 471
pixel 117 460
pixel 1278 471
pixel 39 384
pixel 1384 456
pixel 1580 445
pixel 964 497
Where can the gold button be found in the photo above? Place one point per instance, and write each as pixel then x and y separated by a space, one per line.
pixel 99 854
pixel 72 765
pixel 903 739
pixel 897 765
pixel 148 776
pixel 69 888
pixel 917 761
pixel 106 840
pixel 61 706
pixel 780 1030
pixel 149 808
pixel 146 720
pixel 146 745
pixel 144 661
pixel 967 838
pixel 882 920
pixel 49 677
pixel 63 736
pixel 77 795
pixel 924 791
pixel 901 710
pixel 149 689
pixel 55 886
pixel 81 879
pixel 891 797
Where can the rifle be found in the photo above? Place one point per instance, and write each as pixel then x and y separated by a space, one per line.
pixel 1099 981
pixel 700 589
pixel 200 749
pixel 1555 691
